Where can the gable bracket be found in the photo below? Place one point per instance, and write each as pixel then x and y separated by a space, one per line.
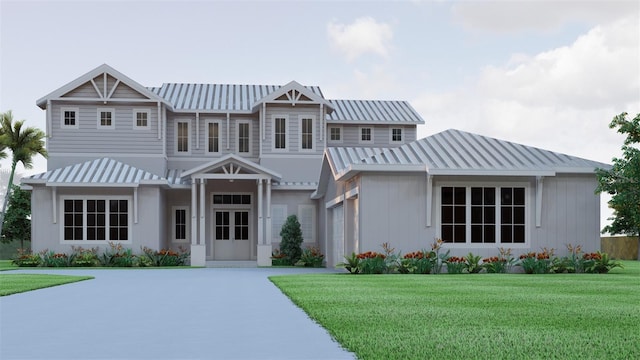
pixel 95 86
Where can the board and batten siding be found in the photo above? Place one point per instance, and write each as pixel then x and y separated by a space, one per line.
pixel 88 138
pixel 293 114
pixel 199 150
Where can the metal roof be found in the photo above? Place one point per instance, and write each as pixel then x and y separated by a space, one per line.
pixel 455 152
pixel 98 172
pixel 217 97
pixel 373 111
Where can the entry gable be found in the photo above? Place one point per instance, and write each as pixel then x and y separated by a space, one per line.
pixel 293 93
pixel 231 167
pixel 103 83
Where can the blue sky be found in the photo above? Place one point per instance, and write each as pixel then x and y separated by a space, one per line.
pixel 549 74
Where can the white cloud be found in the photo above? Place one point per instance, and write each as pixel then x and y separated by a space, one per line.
pixel 364 36
pixel 509 16
pixel 552 98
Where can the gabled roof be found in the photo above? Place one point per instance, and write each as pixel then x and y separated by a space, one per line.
pixel 224 97
pixel 455 152
pixel 373 111
pixel 88 77
pixel 294 93
pixel 240 163
pixel 99 172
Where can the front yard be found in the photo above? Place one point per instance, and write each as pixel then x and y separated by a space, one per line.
pixel 476 316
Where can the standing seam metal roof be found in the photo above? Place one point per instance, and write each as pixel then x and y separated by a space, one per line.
pixel 454 150
pixel 99 171
pixel 368 111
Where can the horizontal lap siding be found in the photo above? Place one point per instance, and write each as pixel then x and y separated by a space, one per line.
pixel 381 135
pixel 83 91
pixel 87 138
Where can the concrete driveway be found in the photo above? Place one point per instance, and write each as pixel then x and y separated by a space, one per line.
pixel 162 314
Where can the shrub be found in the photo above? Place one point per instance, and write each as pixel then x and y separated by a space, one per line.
pixel 418 262
pixel 119 256
pixel 25 258
pixel 84 257
pixel 456 265
pixel 53 259
pixel 278 258
pixel 472 263
pixel 165 257
pixel 599 263
pixel 351 263
pixel 311 257
pixel 291 234
pixel 537 263
pixel 372 262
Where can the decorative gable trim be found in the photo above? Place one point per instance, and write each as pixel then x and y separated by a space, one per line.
pixel 232 167
pixel 293 93
pixel 103 83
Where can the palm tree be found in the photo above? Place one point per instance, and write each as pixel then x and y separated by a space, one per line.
pixel 24 145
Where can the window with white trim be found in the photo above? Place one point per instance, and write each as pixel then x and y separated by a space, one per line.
pixel 243 129
pixel 106 118
pixel 69 117
pixel 183 137
pixel 180 226
pixel 335 134
pixel 307 139
pixel 306 217
pixel 395 135
pixel 141 119
pixel 213 136
pixel 278 218
pixel 95 219
pixel 280 130
pixel 366 135
pixel 483 214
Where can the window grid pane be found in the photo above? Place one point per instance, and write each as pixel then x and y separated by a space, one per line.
pixel 73 216
pixel 96 220
pixel 105 118
pixel 365 134
pixel 183 137
pixel 482 215
pixel 181 224
pixel 70 118
pixel 512 215
pixel 335 134
pixel 453 214
pixel 307 134
pixel 396 134
pixel 280 133
pixel 118 220
pixel 243 138
pixel 214 137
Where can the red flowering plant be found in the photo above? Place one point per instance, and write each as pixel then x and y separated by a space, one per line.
pixel 372 262
pixel 279 258
pixel 118 255
pixel 166 257
pixel 84 257
pixel 25 258
pixel 599 263
pixel 455 264
pixel 311 257
pixel 537 263
pixel 53 259
pixel 417 262
pixel 499 264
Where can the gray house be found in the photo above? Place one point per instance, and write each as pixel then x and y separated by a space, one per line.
pixel 217 169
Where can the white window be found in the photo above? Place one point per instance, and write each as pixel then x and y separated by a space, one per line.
pixel 106 118
pixel 366 135
pixel 91 220
pixel 180 228
pixel 141 119
pixel 278 218
pixel 335 134
pixel 306 217
pixel 483 214
pixel 183 136
pixel 307 138
pixel 395 135
pixel 243 129
pixel 213 136
pixel 280 130
pixel 69 118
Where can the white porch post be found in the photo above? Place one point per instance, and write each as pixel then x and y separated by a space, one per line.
pixel 268 225
pixel 201 236
pixel 197 250
pixel 264 247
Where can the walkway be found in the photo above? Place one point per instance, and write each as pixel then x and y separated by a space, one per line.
pixel 162 314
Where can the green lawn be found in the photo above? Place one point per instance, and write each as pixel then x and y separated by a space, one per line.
pixel 17 283
pixel 476 316
pixel 7 265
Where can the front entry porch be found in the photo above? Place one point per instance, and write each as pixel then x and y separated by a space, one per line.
pixel 227 224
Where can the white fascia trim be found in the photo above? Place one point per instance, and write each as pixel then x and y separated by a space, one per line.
pixel 92 185
pixel 294 187
pixel 575 170
pixel 93 155
pixel 480 172
pixel 26 187
pixel 333 202
pixel 353 169
pixel 372 122
pixel 292 156
pixel 352 193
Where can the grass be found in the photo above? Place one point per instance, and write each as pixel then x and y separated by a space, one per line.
pixel 17 283
pixel 7 265
pixel 479 316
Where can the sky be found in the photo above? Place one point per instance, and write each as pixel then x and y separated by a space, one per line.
pixel 549 74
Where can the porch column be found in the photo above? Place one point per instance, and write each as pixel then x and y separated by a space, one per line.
pixel 260 218
pixel 268 225
pixel 198 255
pixel 264 246
pixel 203 222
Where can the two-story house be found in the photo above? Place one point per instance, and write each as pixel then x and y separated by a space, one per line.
pixel 217 169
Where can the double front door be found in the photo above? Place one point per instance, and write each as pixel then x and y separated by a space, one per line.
pixel 231 234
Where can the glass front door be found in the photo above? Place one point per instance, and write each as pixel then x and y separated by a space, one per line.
pixel 231 235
